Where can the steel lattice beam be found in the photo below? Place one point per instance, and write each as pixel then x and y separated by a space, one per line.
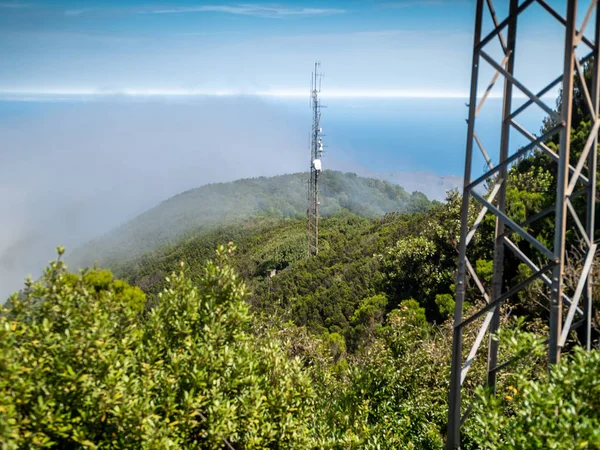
pixel 572 181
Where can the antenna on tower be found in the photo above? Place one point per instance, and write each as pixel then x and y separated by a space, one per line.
pixel 316 152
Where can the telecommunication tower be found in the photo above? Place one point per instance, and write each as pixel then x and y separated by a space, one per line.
pixel 316 152
pixel 574 178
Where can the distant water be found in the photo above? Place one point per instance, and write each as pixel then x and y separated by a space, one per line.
pixel 381 135
pixel 412 135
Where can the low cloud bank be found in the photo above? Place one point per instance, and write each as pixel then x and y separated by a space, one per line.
pixel 75 172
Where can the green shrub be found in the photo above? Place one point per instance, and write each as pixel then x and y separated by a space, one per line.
pixel 82 366
pixel 558 410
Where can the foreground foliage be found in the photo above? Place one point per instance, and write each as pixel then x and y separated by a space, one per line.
pixel 82 365
pixel 87 362
pixel 559 409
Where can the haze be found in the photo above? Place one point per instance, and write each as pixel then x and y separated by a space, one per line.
pixel 78 172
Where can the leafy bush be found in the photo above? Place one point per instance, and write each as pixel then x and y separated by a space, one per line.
pixel 82 365
pixel 393 393
pixel 558 410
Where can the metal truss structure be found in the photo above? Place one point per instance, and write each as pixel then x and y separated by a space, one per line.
pixel 316 151
pixel 574 178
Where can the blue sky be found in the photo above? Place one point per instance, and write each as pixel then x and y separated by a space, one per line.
pixel 367 47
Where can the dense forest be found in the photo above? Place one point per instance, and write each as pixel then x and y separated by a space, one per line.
pixel 255 345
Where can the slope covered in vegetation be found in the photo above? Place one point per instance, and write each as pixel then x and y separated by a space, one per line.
pixel 358 258
pixel 213 204
pixel 87 361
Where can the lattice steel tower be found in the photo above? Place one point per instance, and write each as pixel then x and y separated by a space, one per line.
pixel 316 151
pixel 574 178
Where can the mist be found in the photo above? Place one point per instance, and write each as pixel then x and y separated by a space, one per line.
pixel 75 172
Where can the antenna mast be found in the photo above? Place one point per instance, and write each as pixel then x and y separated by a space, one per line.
pixel 316 151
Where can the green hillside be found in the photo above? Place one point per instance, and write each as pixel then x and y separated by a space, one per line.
pixel 322 293
pixel 280 196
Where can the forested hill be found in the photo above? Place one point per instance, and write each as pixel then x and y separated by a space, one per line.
pixel 282 196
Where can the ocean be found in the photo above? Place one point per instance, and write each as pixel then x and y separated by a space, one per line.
pixel 381 135
pixel 411 134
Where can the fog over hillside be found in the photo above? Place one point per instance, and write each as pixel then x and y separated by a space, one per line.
pixel 84 169
pixel 74 171
pixel 283 196
pixel 432 185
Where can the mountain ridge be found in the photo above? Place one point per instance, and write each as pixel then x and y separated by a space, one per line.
pixel 210 204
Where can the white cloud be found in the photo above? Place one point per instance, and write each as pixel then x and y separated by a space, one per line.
pixel 252 10
pixel 13 5
pixel 75 12
pixel 75 173
pixel 410 3
pixel 97 94
pixel 265 11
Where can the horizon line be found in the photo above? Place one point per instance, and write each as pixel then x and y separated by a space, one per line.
pixel 89 94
